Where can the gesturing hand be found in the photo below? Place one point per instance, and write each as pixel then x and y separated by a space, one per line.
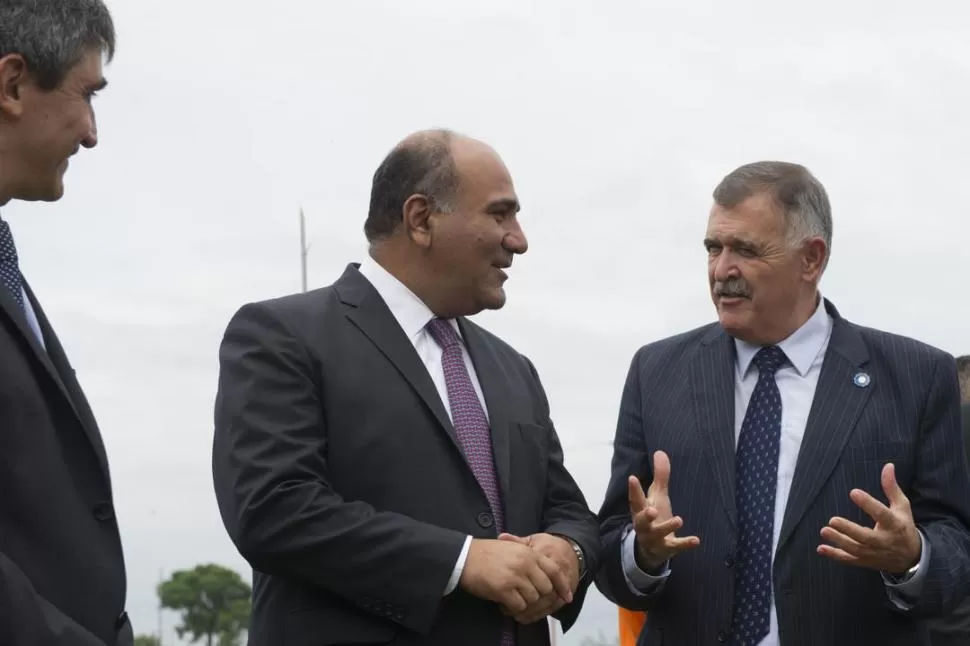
pixel 892 546
pixel 560 552
pixel 513 575
pixel 653 519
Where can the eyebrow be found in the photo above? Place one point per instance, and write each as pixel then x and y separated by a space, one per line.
pixel 506 204
pixel 732 242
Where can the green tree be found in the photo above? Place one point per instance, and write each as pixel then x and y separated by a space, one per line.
pixel 600 640
pixel 147 640
pixel 214 603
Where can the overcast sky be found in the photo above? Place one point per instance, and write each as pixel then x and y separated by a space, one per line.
pixel 616 120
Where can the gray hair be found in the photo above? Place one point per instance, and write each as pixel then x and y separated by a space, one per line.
pixel 54 35
pixel 422 164
pixel 801 197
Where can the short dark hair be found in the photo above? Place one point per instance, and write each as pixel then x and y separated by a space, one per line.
pixel 54 35
pixel 963 371
pixel 802 198
pixel 423 165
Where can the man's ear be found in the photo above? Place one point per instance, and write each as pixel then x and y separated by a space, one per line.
pixel 416 218
pixel 13 77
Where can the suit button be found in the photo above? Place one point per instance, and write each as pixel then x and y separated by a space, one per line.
pixel 722 636
pixel 485 519
pixel 729 560
pixel 103 511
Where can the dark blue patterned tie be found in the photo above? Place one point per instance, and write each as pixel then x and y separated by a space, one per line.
pixel 9 269
pixel 757 481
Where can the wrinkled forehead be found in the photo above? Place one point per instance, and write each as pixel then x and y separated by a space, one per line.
pixel 756 218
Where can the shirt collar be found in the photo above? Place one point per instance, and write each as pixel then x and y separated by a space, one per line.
pixel 410 311
pixel 801 347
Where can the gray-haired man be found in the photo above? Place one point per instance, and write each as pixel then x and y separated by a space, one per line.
pixel 62 571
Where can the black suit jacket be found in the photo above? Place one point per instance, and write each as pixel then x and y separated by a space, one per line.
pixel 679 397
pixel 340 479
pixel 62 572
pixel 954 629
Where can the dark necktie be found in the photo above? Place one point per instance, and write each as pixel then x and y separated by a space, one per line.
pixel 9 268
pixel 757 482
pixel 471 425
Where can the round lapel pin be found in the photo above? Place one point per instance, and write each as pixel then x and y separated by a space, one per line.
pixel 861 379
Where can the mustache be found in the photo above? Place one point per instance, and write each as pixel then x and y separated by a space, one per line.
pixel 732 288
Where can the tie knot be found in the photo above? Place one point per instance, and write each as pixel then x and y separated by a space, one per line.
pixel 769 359
pixel 443 333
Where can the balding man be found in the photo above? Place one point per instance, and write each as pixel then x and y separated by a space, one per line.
pixel 62 570
pixel 388 467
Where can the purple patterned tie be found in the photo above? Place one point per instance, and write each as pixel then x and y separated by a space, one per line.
pixel 471 425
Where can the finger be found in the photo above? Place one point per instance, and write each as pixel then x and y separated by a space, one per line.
pixel 676 545
pixel 661 473
pixel 638 500
pixel 513 602
pixel 844 543
pixel 657 530
pixel 894 494
pixel 857 533
pixel 557 577
pixel 879 512
pixel 836 554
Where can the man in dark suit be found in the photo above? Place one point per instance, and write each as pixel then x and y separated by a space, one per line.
pixel 954 628
pixel 388 467
pixel 62 572
pixel 815 466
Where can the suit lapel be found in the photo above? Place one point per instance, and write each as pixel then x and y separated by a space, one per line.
pixel 55 364
pixel 494 387
pixel 712 383
pixel 835 410
pixel 368 311
pixel 67 381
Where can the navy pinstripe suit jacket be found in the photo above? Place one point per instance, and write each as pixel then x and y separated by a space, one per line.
pixel 679 397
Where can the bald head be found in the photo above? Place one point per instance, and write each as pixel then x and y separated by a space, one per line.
pixel 423 163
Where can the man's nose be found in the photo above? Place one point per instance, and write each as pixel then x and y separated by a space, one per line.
pixel 90 139
pixel 515 240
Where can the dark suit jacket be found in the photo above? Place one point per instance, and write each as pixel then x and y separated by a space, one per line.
pixel 679 397
pixel 62 572
pixel 954 629
pixel 340 479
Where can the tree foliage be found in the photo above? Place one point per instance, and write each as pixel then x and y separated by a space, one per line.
pixel 148 640
pixel 214 603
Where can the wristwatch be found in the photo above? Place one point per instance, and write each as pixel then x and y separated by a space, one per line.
pixel 579 556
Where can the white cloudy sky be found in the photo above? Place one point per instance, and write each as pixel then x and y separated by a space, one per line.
pixel 616 119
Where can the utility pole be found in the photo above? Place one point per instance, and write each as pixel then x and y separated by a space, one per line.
pixel 303 250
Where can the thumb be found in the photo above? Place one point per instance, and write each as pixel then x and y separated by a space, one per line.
pixel 512 538
pixel 891 488
pixel 661 473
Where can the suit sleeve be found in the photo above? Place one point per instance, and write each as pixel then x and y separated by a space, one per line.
pixel 630 457
pixel 566 512
pixel 940 496
pixel 272 486
pixel 27 619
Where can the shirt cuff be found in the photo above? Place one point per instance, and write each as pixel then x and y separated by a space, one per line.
pixel 639 582
pixel 905 590
pixel 459 566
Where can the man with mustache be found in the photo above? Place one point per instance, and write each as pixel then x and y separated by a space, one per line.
pixel 388 467
pixel 805 476
pixel 62 567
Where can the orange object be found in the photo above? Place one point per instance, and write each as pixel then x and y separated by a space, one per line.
pixel 631 623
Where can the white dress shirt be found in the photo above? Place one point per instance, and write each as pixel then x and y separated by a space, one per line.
pixel 797 381
pixel 413 316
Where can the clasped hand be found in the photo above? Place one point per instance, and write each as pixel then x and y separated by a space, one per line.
pixel 529 577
